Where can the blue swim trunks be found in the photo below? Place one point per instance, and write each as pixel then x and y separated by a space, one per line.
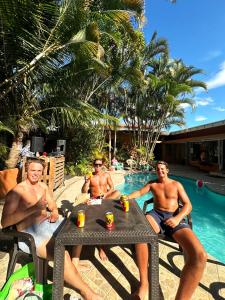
pixel 160 216
pixel 41 232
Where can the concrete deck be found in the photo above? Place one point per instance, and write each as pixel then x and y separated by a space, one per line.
pixel 118 277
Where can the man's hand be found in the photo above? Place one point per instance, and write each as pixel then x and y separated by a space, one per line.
pixel 87 178
pixel 53 216
pixel 41 204
pixel 172 222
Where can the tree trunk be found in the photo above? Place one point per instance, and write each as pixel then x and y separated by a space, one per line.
pixel 110 146
pixel 115 136
pixel 14 152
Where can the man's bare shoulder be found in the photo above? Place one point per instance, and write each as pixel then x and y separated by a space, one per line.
pixel 177 183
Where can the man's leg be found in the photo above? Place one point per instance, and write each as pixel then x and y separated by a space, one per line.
pixel 71 275
pixel 102 254
pixel 195 261
pixel 75 257
pixel 113 196
pixel 142 262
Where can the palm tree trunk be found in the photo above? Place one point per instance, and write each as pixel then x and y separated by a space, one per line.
pixel 115 137
pixel 14 152
pixel 110 146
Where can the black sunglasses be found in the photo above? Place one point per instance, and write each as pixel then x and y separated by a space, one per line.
pixel 97 165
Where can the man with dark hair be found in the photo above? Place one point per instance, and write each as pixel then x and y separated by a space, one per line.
pixel 31 208
pixel 166 217
pixel 100 183
pixel 101 186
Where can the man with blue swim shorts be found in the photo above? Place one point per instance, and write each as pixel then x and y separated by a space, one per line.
pixel 32 209
pixel 167 218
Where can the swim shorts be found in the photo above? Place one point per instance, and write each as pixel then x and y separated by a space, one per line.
pixel 41 232
pixel 161 216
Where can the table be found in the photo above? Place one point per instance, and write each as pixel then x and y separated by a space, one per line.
pixel 130 228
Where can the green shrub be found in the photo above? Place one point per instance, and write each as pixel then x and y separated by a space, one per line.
pixel 4 150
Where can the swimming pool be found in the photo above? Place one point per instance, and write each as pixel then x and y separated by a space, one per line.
pixel 208 212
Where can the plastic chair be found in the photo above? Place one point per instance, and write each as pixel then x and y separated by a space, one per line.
pixel 162 236
pixel 9 240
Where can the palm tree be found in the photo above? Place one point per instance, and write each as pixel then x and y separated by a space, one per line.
pixel 51 36
pixel 155 103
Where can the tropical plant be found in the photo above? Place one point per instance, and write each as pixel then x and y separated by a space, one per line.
pixel 42 42
pixel 156 102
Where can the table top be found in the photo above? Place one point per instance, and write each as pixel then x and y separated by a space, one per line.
pixel 129 227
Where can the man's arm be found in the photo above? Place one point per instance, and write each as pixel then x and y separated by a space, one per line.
pixel 183 197
pixel 110 186
pixel 184 211
pixel 86 184
pixel 136 194
pixel 11 215
pixel 52 207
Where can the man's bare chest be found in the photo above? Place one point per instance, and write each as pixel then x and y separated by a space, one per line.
pixel 31 196
pixel 98 181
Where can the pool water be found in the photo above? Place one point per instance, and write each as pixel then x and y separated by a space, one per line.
pixel 208 212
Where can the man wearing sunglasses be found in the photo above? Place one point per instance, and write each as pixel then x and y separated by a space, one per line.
pixel 101 186
pixel 100 183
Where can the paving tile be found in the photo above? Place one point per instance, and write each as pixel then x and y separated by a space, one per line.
pixel 116 279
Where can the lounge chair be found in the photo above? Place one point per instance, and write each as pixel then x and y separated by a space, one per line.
pixel 131 163
pixel 118 165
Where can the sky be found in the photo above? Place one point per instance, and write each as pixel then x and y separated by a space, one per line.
pixel 195 31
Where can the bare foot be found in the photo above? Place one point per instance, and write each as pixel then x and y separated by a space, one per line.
pixel 141 293
pixel 81 266
pixel 91 295
pixel 102 254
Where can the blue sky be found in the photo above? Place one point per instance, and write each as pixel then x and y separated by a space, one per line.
pixel 195 30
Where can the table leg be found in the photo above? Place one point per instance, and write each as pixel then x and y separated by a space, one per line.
pixel 58 271
pixel 153 272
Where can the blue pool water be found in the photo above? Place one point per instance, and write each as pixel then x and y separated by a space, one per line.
pixel 208 213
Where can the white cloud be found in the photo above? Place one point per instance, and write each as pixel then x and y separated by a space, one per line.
pixel 212 54
pixel 203 101
pixel 184 105
pixel 200 118
pixel 219 108
pixel 219 79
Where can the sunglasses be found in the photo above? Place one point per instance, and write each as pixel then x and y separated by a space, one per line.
pixel 97 165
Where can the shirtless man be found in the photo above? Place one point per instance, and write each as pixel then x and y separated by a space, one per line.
pixel 101 186
pixel 165 218
pixel 31 208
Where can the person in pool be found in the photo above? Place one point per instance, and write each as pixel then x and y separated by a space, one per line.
pixel 167 218
pixel 31 208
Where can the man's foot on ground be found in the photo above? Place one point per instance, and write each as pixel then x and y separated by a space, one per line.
pixel 102 254
pixel 81 266
pixel 91 295
pixel 141 293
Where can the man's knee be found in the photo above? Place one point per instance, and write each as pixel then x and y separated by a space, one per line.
pixel 199 258
pixel 202 256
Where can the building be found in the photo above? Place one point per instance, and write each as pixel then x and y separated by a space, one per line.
pixel 201 146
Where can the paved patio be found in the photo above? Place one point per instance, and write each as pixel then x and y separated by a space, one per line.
pixel 118 277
